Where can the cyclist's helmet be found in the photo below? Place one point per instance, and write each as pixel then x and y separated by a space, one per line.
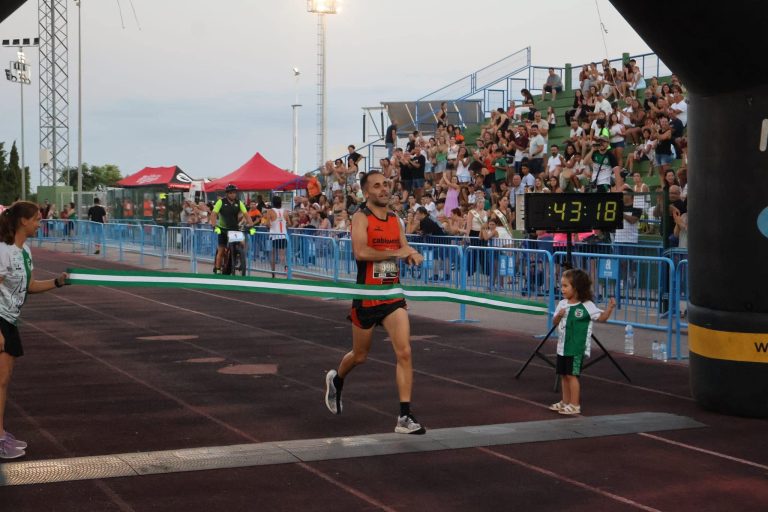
pixel 231 188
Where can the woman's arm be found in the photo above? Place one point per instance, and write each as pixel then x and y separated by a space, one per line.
pixel 48 284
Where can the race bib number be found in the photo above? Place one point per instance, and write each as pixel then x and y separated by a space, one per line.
pixel 235 236
pixel 387 269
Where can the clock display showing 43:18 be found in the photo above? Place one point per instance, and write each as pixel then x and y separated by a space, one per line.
pixel 575 212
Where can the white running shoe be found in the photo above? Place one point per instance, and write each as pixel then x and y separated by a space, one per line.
pixel 332 395
pixel 408 425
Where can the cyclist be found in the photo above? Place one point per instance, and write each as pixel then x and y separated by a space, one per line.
pixel 224 218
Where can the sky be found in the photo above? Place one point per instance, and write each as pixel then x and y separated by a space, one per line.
pixel 205 85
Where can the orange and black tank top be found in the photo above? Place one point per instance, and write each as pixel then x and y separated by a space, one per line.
pixel 382 235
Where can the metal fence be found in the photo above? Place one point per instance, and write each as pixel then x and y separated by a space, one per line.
pixel 650 287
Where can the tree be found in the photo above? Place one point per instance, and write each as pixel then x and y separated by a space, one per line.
pixel 10 176
pixel 94 176
pixel 14 170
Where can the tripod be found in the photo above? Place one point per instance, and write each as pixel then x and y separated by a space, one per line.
pixel 537 353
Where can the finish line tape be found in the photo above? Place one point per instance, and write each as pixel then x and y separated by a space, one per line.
pixel 299 287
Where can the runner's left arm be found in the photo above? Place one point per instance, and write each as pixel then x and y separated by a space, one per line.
pixel 415 258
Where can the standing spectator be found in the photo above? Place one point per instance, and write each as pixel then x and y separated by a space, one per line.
pixel 97 213
pixel 537 145
pixel 574 316
pixel 45 210
pixel 313 188
pixel 616 131
pixel 629 234
pixel 663 136
pixel 18 223
pixel 390 138
pixel 604 166
pixel 452 197
pixel 278 223
pixel 553 85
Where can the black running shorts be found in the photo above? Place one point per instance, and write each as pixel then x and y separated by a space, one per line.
pixel 12 339
pixel 367 318
pixel 569 365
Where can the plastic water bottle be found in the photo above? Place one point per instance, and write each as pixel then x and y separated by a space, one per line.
pixel 655 350
pixel 629 340
pixel 663 352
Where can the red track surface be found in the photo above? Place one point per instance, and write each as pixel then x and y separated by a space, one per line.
pixel 88 386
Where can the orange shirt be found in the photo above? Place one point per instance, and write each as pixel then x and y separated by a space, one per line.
pixel 382 235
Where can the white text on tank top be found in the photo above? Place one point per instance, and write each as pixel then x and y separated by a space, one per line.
pixel 277 226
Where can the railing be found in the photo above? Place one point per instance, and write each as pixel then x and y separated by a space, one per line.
pixel 650 290
pixel 649 63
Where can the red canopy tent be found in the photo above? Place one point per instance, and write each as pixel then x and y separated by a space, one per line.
pixel 171 177
pixel 258 174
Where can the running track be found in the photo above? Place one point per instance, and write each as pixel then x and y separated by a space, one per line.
pixel 90 385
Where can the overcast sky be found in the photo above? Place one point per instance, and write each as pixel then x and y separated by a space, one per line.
pixel 204 85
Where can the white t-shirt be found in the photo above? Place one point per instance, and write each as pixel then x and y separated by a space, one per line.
pixel 277 228
pixel 553 162
pixel 604 106
pixel 528 180
pixel 683 115
pixel 536 143
pixel 577 133
pixel 616 135
pixel 16 271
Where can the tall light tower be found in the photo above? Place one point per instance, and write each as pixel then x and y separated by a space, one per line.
pixel 295 108
pixel 321 8
pixel 20 72
pixel 54 89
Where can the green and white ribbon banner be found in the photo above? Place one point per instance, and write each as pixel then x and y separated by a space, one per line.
pixel 321 289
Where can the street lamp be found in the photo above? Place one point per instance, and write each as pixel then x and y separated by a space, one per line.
pixel 20 72
pixel 295 108
pixel 79 111
pixel 321 8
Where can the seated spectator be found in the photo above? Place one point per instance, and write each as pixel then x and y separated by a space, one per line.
pixel 553 85
pixel 528 106
pixel 644 151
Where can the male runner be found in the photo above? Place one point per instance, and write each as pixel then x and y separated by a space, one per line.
pixel 378 241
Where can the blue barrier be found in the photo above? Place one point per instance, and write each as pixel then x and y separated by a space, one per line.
pixel 180 244
pixel 681 297
pixel 650 290
pixel 643 287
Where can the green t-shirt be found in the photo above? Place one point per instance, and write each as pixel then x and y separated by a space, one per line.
pixel 575 328
pixel 500 165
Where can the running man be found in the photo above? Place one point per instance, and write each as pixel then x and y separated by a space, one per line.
pixel 378 241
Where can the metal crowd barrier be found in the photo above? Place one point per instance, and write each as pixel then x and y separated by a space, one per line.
pixel 180 244
pixel 650 291
pixel 643 286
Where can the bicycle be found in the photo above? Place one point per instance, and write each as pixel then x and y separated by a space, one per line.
pixel 234 259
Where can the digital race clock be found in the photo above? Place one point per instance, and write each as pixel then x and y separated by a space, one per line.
pixel 575 212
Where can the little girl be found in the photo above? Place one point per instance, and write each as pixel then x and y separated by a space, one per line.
pixel 574 315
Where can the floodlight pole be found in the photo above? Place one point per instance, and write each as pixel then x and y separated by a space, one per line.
pixel 295 108
pixel 23 169
pixel 79 111
pixel 321 8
